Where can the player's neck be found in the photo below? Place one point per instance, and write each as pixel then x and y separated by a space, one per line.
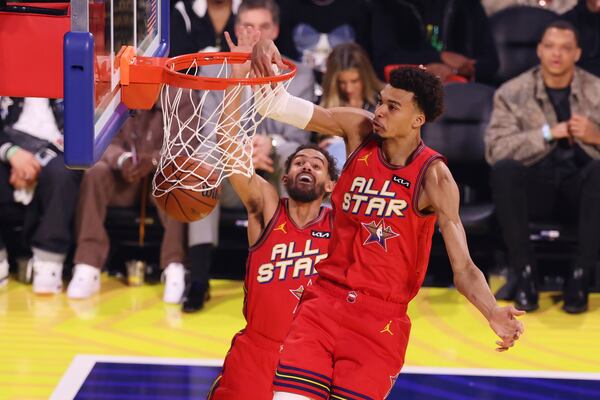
pixel 396 150
pixel 303 213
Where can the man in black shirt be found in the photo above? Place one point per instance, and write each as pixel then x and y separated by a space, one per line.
pixel 543 143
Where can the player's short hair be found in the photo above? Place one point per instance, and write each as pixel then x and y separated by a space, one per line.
pixel 332 169
pixel 563 25
pixel 427 89
pixel 270 5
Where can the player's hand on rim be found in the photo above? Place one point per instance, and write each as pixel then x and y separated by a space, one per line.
pixel 264 54
pixel 502 320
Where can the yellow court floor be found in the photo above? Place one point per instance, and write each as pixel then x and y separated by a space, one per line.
pixel 40 335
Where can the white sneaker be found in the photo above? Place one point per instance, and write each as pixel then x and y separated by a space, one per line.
pixel 3 273
pixel 85 282
pixel 47 276
pixel 174 278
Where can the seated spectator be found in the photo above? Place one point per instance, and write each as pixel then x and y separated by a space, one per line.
pixel 586 17
pixel 311 28
pixel 117 180
pixel 543 143
pixel 33 173
pixel 449 37
pixel 558 6
pixel 198 25
pixel 273 143
pixel 349 81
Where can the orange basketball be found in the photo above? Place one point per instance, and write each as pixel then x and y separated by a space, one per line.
pixel 186 205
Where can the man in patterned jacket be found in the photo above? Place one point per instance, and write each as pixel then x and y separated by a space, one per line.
pixel 543 143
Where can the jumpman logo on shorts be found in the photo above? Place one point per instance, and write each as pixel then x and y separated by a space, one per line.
pixel 365 158
pixel 387 329
pixel 281 228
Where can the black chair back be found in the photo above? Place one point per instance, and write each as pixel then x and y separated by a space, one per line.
pixel 517 31
pixel 458 135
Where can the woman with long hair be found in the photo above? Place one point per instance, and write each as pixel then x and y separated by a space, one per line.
pixel 350 79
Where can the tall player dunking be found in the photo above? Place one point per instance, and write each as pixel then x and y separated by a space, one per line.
pixel 287 237
pixel 350 333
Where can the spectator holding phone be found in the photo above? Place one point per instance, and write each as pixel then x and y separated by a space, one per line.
pixel 33 173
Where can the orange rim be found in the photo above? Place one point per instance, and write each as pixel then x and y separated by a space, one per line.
pixel 173 77
pixel 143 77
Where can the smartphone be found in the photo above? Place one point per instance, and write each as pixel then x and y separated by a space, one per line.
pixel 44 156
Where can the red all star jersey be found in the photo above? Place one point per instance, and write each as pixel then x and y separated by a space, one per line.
pixel 381 242
pixel 280 266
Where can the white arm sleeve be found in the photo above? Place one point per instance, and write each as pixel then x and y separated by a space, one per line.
pixel 281 106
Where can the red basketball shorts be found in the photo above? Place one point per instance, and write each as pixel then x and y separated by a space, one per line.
pixel 343 345
pixel 248 369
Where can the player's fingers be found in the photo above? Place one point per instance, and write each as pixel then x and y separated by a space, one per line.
pixel 520 328
pixel 516 312
pixel 266 62
pixel 501 346
pixel 266 68
pixel 255 72
pixel 279 61
pixel 260 66
pixel 228 40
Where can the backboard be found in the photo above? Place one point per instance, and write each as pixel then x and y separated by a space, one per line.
pixel 94 111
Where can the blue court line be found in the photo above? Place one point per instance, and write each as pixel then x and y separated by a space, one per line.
pixel 119 381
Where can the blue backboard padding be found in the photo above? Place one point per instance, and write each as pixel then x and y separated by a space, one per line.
pixel 116 381
pixel 79 98
pixel 82 147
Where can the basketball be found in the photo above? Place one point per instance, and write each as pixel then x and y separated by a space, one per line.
pixel 184 203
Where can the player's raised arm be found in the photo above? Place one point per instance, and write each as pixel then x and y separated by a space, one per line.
pixel 441 194
pixel 348 122
pixel 259 197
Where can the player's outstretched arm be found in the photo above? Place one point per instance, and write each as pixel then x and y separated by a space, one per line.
pixel 258 196
pixel 441 194
pixel 351 123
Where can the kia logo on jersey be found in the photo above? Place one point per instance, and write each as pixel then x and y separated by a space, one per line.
pixel 320 234
pixel 401 181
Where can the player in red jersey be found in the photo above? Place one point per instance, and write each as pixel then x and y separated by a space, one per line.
pixel 349 335
pixel 287 237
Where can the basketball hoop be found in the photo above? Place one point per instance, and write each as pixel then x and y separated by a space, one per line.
pixel 199 150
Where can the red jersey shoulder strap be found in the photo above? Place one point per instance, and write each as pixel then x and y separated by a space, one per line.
pixel 426 157
pixel 269 227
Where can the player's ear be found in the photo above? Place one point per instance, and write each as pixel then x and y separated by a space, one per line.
pixel 329 185
pixel 419 120
pixel 284 179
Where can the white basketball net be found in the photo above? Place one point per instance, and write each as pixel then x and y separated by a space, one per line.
pixel 199 151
